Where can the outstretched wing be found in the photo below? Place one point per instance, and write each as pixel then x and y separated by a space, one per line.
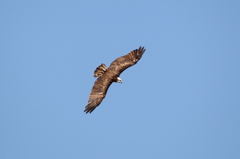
pixel 98 93
pixel 122 63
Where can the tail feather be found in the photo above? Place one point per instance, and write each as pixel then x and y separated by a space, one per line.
pixel 100 70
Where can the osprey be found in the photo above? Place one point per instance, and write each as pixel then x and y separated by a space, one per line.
pixel 106 76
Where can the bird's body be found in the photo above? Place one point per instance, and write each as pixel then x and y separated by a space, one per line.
pixel 106 76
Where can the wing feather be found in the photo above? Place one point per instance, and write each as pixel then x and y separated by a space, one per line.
pixel 98 93
pixel 122 63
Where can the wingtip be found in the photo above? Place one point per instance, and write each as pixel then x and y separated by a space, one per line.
pixel 89 108
pixel 142 49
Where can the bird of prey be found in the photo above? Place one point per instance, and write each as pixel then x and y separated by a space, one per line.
pixel 106 76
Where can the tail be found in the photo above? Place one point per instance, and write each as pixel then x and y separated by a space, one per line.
pixel 100 70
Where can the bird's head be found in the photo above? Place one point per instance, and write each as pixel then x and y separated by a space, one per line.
pixel 119 80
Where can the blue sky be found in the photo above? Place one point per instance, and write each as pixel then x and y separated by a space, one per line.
pixel 182 99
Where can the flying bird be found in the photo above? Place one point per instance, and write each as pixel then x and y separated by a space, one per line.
pixel 106 76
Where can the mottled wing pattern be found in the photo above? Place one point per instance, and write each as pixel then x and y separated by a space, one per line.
pixel 98 93
pixel 122 63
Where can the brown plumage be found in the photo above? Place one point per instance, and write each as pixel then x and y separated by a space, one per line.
pixel 108 75
pixel 100 70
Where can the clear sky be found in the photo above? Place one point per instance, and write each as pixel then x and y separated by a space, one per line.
pixel 181 101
